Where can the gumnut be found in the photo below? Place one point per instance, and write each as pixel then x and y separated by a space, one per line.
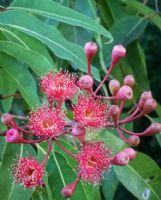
pixel 86 82
pixel 129 80
pixel 134 140
pixel 114 86
pixel 131 153
pixel 125 93
pixel 121 158
pixel 118 52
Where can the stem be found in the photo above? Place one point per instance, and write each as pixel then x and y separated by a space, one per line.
pixel 105 78
pixel 132 133
pixel 131 119
pixel 47 153
pixel 103 97
pixel 25 131
pixel 121 107
pixel 20 117
pixel 33 141
pixel 132 114
pixel 65 150
pixel 9 95
pixel 122 136
pixel 89 67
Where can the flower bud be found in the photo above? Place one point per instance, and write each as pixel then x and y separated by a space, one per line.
pixel 125 93
pixel 145 96
pixel 121 159
pixel 79 132
pixel 6 119
pixel 153 129
pixel 118 52
pixel 12 136
pixel 114 86
pixel 69 189
pixel 134 140
pixel 90 50
pixel 114 110
pixel 86 82
pixel 149 106
pixel 131 153
pixel 129 80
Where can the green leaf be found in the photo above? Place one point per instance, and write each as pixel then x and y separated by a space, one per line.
pixel 9 191
pixel 37 62
pixel 144 10
pixel 58 12
pixel 47 35
pixel 24 79
pixel 7 86
pixel 142 177
pixel 109 185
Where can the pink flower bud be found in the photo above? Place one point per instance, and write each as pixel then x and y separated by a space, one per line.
pixel 129 80
pixel 125 93
pixel 114 110
pixel 134 140
pixel 79 132
pixel 6 119
pixel 131 153
pixel 69 189
pixel 149 106
pixel 145 96
pixel 153 129
pixel 90 50
pixel 86 82
pixel 118 52
pixel 121 159
pixel 114 86
pixel 13 136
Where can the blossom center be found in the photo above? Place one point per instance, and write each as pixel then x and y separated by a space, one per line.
pixel 92 161
pixel 47 124
pixel 30 172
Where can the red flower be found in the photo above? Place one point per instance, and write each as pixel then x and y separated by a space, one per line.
pixel 90 112
pixel 59 86
pixel 93 159
pixel 28 172
pixel 46 122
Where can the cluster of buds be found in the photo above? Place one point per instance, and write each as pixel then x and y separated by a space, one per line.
pixel 49 121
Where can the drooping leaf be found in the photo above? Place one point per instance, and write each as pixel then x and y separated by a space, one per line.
pixel 7 87
pixel 49 36
pixel 58 12
pixel 23 78
pixel 37 62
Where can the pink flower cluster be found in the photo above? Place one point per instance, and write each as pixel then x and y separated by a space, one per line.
pixel 90 111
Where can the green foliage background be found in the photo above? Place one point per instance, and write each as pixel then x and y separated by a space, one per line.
pixel 38 35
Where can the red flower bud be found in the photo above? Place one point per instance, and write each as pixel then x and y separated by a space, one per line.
pixel 86 82
pixel 114 110
pixel 13 136
pixel 121 158
pixel 131 153
pixel 134 140
pixel 6 119
pixel 69 189
pixel 125 93
pixel 153 129
pixel 79 132
pixel 145 96
pixel 149 106
pixel 90 50
pixel 129 80
pixel 114 86
pixel 118 52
